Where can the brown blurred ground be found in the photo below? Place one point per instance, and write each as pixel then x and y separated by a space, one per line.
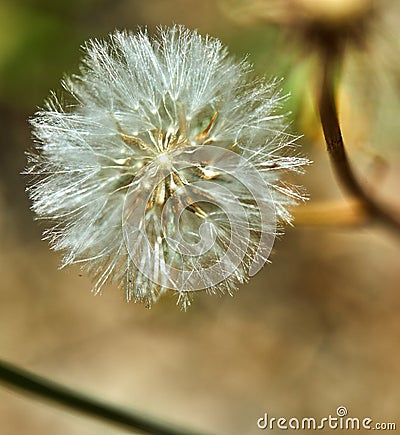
pixel 316 329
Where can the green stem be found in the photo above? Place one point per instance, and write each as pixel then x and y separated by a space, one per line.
pixel 20 379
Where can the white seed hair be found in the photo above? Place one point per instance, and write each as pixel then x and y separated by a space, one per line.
pixel 134 99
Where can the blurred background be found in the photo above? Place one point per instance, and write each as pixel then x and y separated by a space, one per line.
pixel 315 329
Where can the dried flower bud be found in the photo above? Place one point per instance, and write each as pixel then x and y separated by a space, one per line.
pixel 163 173
pixel 332 22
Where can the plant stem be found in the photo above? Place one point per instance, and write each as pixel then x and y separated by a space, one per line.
pixel 340 213
pixel 28 382
pixel 335 144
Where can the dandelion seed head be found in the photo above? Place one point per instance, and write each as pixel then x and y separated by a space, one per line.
pixel 161 168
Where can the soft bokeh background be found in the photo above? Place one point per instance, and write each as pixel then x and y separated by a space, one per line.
pixel 316 329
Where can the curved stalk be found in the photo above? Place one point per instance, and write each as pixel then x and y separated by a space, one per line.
pixel 20 379
pixel 336 148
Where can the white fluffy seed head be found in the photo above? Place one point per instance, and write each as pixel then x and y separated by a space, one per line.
pixel 161 168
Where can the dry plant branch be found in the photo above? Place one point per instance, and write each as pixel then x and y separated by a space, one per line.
pixel 335 144
pixel 341 213
pixel 20 379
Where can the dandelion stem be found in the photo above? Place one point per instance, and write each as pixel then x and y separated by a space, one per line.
pixel 20 379
pixel 349 213
pixel 336 148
